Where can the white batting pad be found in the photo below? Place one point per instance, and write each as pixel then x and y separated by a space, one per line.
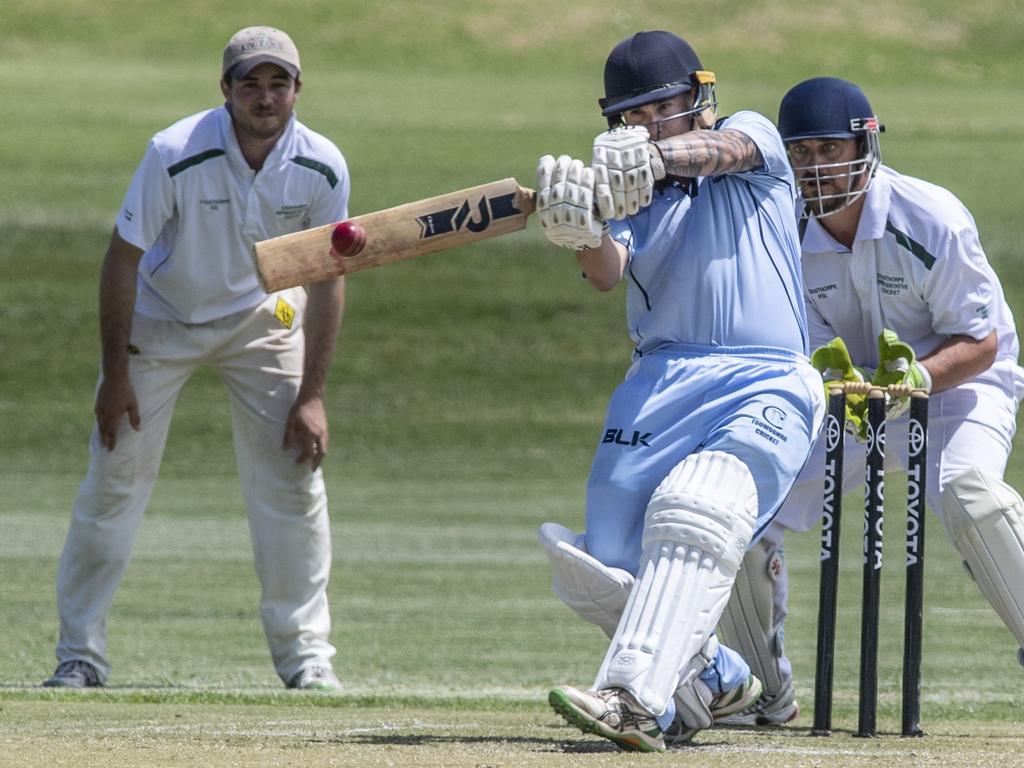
pixel 698 524
pixel 595 591
pixel 750 624
pixel 984 518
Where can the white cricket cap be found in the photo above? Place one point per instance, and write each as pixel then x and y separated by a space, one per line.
pixel 258 45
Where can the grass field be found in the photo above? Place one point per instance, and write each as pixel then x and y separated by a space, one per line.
pixel 467 391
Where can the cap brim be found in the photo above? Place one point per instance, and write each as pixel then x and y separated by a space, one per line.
pixel 244 67
pixel 648 97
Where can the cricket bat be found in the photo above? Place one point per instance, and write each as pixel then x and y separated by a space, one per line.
pixel 404 232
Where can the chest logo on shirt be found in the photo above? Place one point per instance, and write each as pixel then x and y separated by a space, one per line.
pixel 289 212
pixel 284 312
pixel 214 203
pixel 822 291
pixel 892 285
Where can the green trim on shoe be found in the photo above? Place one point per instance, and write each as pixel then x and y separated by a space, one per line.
pixel 736 700
pixel 637 740
pixel 317 677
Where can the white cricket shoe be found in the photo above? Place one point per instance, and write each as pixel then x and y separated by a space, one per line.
pixel 74 674
pixel 612 713
pixel 317 677
pixel 769 709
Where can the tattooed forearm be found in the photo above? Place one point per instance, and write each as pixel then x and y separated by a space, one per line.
pixel 709 153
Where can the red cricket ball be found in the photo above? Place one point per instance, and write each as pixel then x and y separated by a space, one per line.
pixel 348 238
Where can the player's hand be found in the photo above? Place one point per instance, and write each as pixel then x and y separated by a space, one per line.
pixel 114 398
pixel 897 364
pixel 306 430
pixel 623 171
pixel 565 203
pixel 834 363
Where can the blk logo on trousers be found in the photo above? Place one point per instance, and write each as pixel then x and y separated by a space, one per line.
pixel 621 437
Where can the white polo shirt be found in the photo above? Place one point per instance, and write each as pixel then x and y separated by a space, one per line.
pixel 196 208
pixel 916 267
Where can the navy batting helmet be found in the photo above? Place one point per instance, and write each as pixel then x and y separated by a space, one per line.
pixel 830 108
pixel 825 108
pixel 654 66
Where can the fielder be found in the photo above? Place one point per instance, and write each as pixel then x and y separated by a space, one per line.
pixel 898 289
pixel 178 291
pixel 718 411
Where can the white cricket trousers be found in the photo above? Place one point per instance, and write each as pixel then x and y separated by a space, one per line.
pixel 260 361
pixel 969 426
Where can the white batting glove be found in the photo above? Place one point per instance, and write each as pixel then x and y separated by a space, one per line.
pixel 565 203
pixel 623 171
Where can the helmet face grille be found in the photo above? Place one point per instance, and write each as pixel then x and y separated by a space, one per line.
pixel 847 177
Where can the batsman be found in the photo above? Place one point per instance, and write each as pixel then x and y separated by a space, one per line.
pixel 898 290
pixel 719 409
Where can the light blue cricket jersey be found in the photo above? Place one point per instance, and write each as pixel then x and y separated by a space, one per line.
pixel 721 268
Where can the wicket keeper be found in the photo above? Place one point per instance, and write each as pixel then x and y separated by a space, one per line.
pixel 898 290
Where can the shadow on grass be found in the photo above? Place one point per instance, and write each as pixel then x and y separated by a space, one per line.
pixel 422 739
pixel 535 743
pixel 556 745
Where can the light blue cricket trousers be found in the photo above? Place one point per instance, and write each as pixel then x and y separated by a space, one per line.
pixel 761 404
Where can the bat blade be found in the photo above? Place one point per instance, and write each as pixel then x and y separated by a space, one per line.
pixel 403 232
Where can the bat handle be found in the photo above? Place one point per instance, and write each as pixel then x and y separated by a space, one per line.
pixel 526 200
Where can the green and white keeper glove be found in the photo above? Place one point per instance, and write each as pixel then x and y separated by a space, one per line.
pixel 834 363
pixel 897 364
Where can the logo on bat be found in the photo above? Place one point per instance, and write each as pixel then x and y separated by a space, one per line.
pixel 488 209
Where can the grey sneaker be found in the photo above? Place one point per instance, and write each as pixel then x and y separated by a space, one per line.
pixel 612 713
pixel 74 674
pixel 317 677
pixel 769 709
